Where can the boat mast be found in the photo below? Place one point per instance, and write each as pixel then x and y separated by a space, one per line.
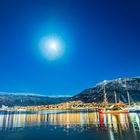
pixel 105 98
pixel 128 96
pixel 115 96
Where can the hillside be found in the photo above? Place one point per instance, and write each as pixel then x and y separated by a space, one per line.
pixel 27 100
pixel 95 94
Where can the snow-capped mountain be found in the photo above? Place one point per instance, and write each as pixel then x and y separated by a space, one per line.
pixel 120 86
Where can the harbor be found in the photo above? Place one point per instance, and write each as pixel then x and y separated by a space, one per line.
pixel 67 123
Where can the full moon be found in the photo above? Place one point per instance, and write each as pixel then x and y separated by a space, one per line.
pixel 52 48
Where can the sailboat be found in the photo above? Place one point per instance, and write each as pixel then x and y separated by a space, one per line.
pixel 112 109
pixel 134 108
pixel 131 108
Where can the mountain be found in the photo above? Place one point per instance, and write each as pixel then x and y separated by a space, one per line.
pixel 120 86
pixel 28 100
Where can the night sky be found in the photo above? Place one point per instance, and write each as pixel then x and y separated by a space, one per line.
pixel 101 40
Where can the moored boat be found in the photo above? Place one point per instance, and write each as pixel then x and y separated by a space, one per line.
pixel 114 109
pixel 132 108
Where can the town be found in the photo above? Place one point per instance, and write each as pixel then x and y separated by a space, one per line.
pixel 71 105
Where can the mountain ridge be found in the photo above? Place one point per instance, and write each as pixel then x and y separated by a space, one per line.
pixel 28 100
pixel 119 85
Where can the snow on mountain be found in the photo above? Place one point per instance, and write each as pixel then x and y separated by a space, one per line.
pixel 120 86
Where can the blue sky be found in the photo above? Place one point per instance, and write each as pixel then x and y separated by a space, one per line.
pixel 101 40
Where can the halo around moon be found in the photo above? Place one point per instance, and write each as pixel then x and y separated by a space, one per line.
pixel 51 47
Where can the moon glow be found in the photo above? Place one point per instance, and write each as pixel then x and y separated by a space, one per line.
pixel 52 48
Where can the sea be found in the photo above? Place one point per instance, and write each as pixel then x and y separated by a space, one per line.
pixel 68 125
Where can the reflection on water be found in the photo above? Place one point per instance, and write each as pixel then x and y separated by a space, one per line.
pixel 112 124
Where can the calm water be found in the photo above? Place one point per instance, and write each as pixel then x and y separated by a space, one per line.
pixel 49 125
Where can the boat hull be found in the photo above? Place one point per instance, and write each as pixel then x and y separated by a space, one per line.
pixel 112 111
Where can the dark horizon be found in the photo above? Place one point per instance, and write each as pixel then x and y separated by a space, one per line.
pixel 98 41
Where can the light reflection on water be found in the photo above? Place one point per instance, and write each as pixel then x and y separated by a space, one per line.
pixel 112 124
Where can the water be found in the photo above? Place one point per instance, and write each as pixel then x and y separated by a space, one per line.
pixel 49 125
